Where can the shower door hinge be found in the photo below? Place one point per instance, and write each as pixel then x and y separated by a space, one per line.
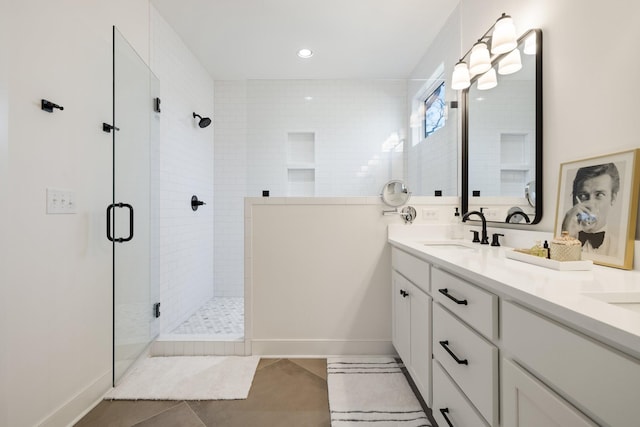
pixel 106 127
pixel 156 310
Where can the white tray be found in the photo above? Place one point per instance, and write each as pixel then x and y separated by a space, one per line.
pixel 549 263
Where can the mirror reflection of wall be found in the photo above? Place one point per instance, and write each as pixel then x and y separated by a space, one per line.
pixel 432 156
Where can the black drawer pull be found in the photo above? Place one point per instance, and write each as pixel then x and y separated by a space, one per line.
pixel 445 292
pixel 445 345
pixel 444 412
pixel 404 293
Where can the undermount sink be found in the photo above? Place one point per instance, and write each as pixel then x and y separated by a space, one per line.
pixel 451 245
pixel 626 300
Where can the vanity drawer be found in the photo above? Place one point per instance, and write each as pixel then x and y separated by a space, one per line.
pixel 475 306
pixel 412 268
pixel 450 400
pixel 600 381
pixel 476 369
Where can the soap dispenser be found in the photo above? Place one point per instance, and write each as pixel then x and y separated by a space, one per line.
pixel 457 228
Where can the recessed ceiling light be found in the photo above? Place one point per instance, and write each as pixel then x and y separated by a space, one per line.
pixel 305 53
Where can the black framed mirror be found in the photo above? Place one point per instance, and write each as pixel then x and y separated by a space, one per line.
pixel 502 137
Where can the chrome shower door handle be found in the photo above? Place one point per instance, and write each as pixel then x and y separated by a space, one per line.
pixel 109 210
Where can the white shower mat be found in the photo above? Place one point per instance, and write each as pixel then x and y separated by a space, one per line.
pixel 371 392
pixel 187 378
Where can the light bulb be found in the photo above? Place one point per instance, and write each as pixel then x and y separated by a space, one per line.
pixel 305 53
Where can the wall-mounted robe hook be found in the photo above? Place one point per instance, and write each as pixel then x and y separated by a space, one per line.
pixel 48 106
pixel 107 127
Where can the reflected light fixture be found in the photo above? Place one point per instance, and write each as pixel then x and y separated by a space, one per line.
pixel 488 80
pixel 510 63
pixel 530 46
pixel 501 36
pixel 305 53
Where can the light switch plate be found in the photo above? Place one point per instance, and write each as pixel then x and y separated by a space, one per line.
pixel 430 215
pixel 61 201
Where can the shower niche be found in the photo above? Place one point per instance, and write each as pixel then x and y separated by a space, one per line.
pixel 301 168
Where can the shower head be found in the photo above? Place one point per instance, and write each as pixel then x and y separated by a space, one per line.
pixel 203 122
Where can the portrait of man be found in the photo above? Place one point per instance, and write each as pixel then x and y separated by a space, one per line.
pixel 598 205
pixel 595 189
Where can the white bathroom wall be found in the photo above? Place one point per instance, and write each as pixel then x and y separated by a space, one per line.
pixel 56 269
pixel 318 272
pixel 186 169
pixel 230 188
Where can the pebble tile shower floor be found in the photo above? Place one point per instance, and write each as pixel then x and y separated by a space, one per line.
pixel 218 316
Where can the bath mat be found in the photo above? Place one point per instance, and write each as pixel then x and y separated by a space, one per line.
pixel 187 378
pixel 371 392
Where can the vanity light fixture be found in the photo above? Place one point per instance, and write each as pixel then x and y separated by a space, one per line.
pixel 501 36
pixel 305 53
pixel 504 37
pixel 461 78
pixel 480 60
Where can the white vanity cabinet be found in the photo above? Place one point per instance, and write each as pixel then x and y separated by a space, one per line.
pixel 508 354
pixel 464 318
pixel 552 372
pixel 411 328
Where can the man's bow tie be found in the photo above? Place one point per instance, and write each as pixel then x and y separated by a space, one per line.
pixel 595 239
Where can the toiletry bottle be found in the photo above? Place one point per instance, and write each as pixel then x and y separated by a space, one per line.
pixel 456 228
pixel 545 246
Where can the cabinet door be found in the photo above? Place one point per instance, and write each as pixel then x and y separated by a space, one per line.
pixel 527 402
pixel 421 341
pixel 401 327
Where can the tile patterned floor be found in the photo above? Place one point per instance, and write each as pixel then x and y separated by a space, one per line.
pixel 218 316
pixel 284 393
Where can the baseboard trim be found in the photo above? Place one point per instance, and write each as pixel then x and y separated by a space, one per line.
pixel 78 406
pixel 273 347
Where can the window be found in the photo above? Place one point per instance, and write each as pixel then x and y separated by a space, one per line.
pixel 434 111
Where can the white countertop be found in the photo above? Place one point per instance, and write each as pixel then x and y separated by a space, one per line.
pixel 556 294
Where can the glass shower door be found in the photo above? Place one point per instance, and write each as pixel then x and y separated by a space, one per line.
pixel 132 216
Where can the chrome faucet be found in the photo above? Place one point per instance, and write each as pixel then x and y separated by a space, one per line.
pixel 485 237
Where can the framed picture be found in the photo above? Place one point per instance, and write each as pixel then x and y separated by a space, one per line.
pixel 598 204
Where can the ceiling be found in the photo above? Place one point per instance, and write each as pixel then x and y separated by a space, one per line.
pixel 351 39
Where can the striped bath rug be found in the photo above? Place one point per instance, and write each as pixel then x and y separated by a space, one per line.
pixel 371 392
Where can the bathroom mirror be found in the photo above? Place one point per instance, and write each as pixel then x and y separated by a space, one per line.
pixel 502 139
pixel 395 193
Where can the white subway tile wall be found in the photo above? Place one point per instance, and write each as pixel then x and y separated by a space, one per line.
pixel 186 169
pixel 230 186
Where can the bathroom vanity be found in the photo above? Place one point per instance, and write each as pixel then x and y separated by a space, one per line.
pixel 491 341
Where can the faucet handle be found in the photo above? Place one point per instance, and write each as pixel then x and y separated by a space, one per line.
pixel 476 236
pixel 495 239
